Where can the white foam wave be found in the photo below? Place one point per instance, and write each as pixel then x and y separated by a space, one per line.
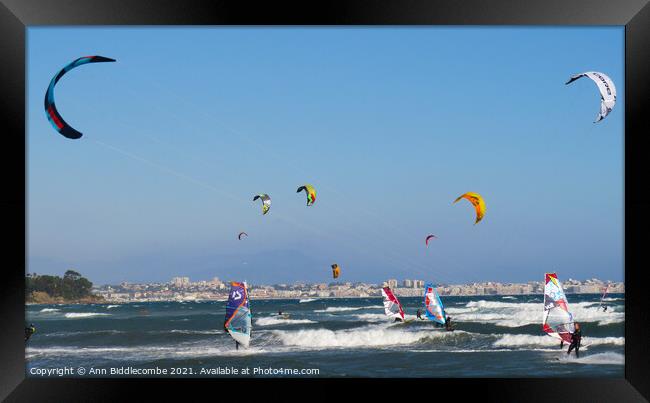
pixel 112 306
pixel 608 358
pixel 271 321
pixel 513 314
pixel 370 336
pixel 508 297
pixel 77 315
pixel 144 352
pixel 510 340
pixel 45 310
pixel 305 300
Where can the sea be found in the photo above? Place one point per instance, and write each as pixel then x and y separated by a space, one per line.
pixel 494 336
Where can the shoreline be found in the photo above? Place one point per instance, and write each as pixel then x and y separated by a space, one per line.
pixel 106 302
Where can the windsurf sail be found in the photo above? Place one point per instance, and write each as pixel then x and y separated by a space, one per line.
pixel 603 297
pixel 391 304
pixel 434 309
pixel 558 321
pixel 238 314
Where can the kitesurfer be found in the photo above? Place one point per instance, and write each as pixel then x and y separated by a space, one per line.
pixel 575 340
pixel 29 331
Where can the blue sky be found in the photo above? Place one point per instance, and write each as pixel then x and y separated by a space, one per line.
pixel 390 124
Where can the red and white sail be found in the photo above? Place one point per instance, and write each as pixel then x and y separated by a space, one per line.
pixel 557 321
pixel 392 305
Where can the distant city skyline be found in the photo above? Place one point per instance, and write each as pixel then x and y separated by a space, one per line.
pixel 181 289
pixel 389 124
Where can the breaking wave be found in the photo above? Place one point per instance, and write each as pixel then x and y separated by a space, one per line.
pixel 511 314
pixel 272 321
pixel 77 315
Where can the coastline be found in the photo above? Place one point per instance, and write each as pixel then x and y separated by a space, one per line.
pixel 120 302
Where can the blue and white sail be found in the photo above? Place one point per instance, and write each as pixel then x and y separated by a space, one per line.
pixel 434 309
pixel 238 314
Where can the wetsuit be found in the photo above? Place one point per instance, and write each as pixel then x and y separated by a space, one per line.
pixel 575 342
pixel 419 314
pixel 605 309
pixel 236 345
pixel 29 331
pixel 448 324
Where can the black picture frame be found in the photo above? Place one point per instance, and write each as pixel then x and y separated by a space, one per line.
pixel 17 15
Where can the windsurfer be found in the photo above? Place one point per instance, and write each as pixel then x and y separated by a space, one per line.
pixel 448 326
pixel 419 314
pixel 605 308
pixel 236 345
pixel 575 340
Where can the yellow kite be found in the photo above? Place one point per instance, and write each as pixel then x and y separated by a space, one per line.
pixel 336 270
pixel 477 202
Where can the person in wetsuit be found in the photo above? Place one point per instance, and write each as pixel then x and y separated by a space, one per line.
pixel 29 331
pixel 575 340
pixel 419 313
pixel 605 308
pixel 448 326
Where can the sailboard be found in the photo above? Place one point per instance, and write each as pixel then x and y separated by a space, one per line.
pixel 558 320
pixel 434 310
pixel 603 297
pixel 238 315
pixel 392 305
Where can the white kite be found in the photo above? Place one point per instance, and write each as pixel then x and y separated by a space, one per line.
pixel 606 88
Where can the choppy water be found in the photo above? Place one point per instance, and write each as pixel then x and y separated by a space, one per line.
pixel 496 336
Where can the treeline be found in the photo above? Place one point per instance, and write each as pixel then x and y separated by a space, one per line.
pixel 71 287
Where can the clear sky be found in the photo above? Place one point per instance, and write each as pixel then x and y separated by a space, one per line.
pixel 390 124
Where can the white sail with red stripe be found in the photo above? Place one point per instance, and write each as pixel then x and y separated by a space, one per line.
pixel 392 305
pixel 558 320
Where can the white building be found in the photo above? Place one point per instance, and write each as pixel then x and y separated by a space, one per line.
pixel 181 282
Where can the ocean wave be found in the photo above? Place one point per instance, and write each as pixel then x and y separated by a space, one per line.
pixel 513 314
pixel 508 297
pixel 141 353
pixel 78 315
pixel 608 358
pixel 339 309
pixel 305 300
pixel 372 317
pixel 510 340
pixel 112 306
pixel 271 321
pixel 184 331
pixel 370 336
pixel 45 310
